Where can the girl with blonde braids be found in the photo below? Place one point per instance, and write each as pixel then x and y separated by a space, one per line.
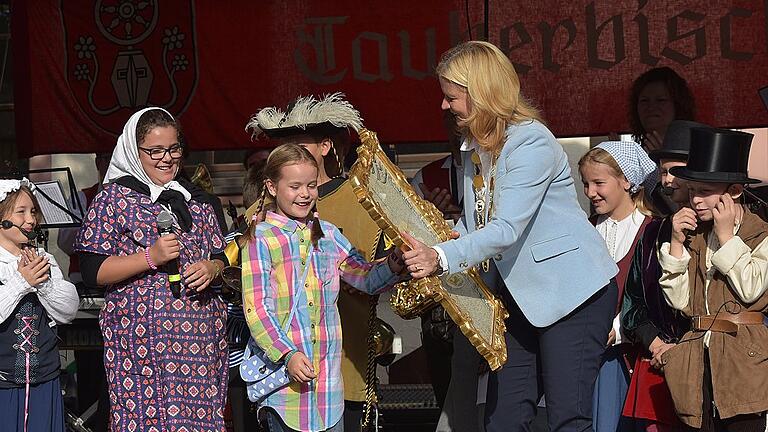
pixel 295 260
pixel 325 126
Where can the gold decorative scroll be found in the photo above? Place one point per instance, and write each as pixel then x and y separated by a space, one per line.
pixel 391 201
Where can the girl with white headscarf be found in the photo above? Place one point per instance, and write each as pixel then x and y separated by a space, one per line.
pixel 615 175
pixel 164 352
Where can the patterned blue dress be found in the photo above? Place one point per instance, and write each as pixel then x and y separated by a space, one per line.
pixel 166 358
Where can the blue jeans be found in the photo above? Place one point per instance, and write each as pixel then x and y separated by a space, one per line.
pixel 271 422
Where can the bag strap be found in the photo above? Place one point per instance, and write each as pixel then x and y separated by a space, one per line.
pixel 298 289
pixel 287 324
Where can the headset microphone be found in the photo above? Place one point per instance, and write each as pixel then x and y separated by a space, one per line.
pixel 668 191
pixel 30 235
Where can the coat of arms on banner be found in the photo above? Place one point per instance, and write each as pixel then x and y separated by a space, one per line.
pixel 122 55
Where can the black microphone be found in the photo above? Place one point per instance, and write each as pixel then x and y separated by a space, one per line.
pixel 165 227
pixel 30 235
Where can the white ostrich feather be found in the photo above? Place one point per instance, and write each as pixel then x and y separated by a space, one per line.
pixel 332 108
pixel 300 114
pixel 306 112
pixel 266 118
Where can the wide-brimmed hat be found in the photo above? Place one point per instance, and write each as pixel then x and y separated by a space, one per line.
pixel 677 141
pixel 306 115
pixel 717 156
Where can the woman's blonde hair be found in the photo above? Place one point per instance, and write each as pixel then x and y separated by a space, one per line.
pixel 493 91
pixel 597 155
pixel 281 156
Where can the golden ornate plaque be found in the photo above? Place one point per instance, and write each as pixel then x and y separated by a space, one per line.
pixel 391 201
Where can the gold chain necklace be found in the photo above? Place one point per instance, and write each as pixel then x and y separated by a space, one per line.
pixel 481 192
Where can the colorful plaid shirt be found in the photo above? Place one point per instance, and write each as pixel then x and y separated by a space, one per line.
pixel 273 264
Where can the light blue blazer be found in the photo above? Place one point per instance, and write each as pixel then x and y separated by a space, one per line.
pixel 549 255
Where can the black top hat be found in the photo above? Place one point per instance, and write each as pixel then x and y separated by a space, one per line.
pixel 677 141
pixel 717 156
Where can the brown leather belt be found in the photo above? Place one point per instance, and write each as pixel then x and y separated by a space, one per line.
pixel 726 322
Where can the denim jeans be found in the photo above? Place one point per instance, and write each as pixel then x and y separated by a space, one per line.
pixel 271 422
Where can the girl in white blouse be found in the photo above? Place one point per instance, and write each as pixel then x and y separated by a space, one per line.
pixel 34 297
pixel 613 175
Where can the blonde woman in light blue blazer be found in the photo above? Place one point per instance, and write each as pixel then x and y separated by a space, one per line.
pixel 523 222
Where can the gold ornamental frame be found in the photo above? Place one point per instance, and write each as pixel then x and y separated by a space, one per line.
pixel 382 189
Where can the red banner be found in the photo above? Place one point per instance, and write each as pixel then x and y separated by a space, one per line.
pixel 81 70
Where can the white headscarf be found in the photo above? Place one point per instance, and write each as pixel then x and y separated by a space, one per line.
pixel 634 162
pixel 125 160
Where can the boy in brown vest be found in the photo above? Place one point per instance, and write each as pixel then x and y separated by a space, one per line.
pixel 715 270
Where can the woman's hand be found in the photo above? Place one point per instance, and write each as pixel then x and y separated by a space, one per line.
pixel 653 141
pixel 443 200
pixel 657 348
pixel 33 267
pixel 165 249
pixel 199 275
pixel 421 260
pixel 300 368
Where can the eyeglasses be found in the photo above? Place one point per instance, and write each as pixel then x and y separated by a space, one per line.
pixel 159 153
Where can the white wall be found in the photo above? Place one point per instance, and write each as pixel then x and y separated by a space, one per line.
pixel 758 154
